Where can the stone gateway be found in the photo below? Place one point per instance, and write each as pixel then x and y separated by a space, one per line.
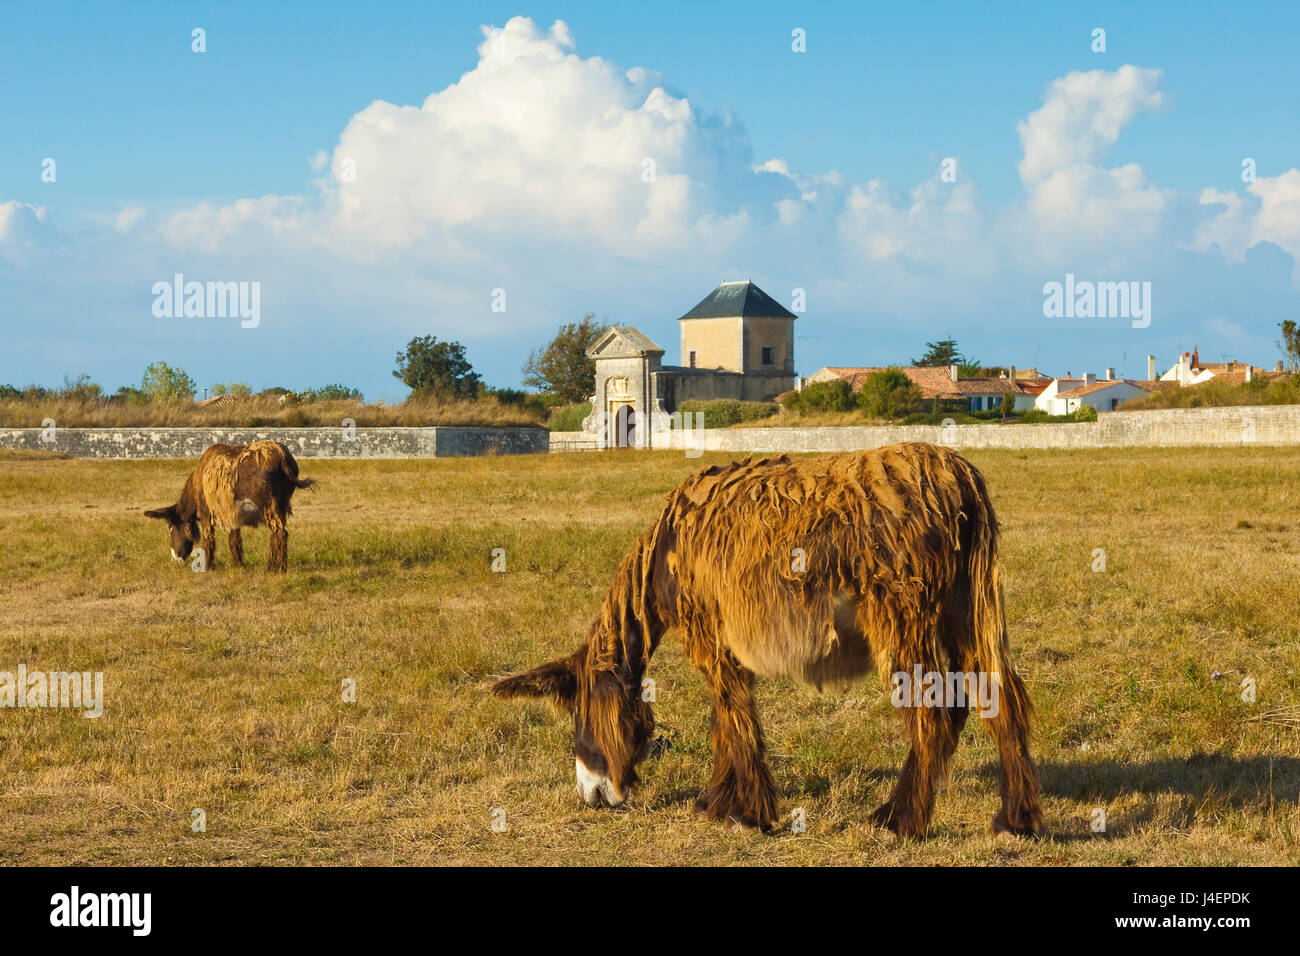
pixel 737 343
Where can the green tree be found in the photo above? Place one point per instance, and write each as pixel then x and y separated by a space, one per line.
pixel 562 369
pixel 1291 343
pixel 237 389
pixel 436 369
pixel 889 394
pixel 161 381
pixel 943 352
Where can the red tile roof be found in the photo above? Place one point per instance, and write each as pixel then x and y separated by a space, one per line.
pixel 934 381
pixel 1104 384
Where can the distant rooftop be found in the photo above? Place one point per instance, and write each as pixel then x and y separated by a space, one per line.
pixel 732 299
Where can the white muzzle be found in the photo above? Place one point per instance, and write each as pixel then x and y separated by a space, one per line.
pixel 595 788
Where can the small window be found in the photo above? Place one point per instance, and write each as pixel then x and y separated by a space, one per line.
pixel 769 356
pixel 692 358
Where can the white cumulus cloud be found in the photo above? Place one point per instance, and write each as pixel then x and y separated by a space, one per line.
pixel 1273 216
pixel 24 226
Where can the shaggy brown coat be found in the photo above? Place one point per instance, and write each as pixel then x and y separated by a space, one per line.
pixel 817 570
pixel 234 487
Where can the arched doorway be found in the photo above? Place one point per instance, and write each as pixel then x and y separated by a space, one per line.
pixel 624 422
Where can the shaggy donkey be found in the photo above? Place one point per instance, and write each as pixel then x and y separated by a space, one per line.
pixel 233 487
pixel 815 570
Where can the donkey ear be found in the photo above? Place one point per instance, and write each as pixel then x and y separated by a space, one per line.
pixel 555 680
pixel 168 514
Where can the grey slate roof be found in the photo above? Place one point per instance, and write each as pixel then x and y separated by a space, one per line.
pixel 738 299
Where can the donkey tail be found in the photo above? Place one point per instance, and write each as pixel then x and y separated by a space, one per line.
pixel 1009 719
pixel 289 468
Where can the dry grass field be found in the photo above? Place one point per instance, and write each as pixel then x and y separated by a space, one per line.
pixel 222 690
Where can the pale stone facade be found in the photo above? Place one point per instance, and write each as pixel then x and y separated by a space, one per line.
pixel 737 343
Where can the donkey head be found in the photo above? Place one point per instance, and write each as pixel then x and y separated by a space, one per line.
pixel 612 725
pixel 185 532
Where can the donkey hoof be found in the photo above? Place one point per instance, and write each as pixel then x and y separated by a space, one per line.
pixel 1004 829
pixel 883 818
pixel 902 827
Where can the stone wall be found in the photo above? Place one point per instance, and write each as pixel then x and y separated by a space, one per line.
pixel 574 441
pixel 303 442
pixel 1245 425
pixel 1259 425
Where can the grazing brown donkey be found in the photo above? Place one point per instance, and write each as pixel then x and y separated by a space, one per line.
pixel 233 487
pixel 815 570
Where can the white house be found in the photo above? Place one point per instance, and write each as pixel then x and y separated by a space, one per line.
pixel 1065 395
pixel 1190 370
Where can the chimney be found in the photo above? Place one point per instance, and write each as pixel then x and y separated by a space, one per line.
pixel 1151 368
pixel 952 370
pixel 1250 372
pixel 1089 378
pixel 1110 375
pixel 1196 357
pixel 1011 374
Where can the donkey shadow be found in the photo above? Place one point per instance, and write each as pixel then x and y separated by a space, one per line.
pixel 1255 783
pixel 1239 783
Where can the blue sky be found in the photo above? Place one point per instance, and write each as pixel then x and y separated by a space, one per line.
pixel 527 176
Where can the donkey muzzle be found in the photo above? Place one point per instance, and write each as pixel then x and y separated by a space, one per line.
pixel 596 790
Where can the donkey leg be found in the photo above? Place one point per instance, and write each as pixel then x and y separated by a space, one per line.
pixel 1021 813
pixel 278 557
pixel 935 731
pixel 236 544
pixel 208 542
pixel 742 789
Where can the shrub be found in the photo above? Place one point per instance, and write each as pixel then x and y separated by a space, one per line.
pixel 724 412
pixel 1265 389
pixel 568 418
pixel 1084 413
pixel 80 389
pixel 834 396
pixel 331 393
pixel 938 418
pixel 517 398
pixel 129 395
pixel 888 394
